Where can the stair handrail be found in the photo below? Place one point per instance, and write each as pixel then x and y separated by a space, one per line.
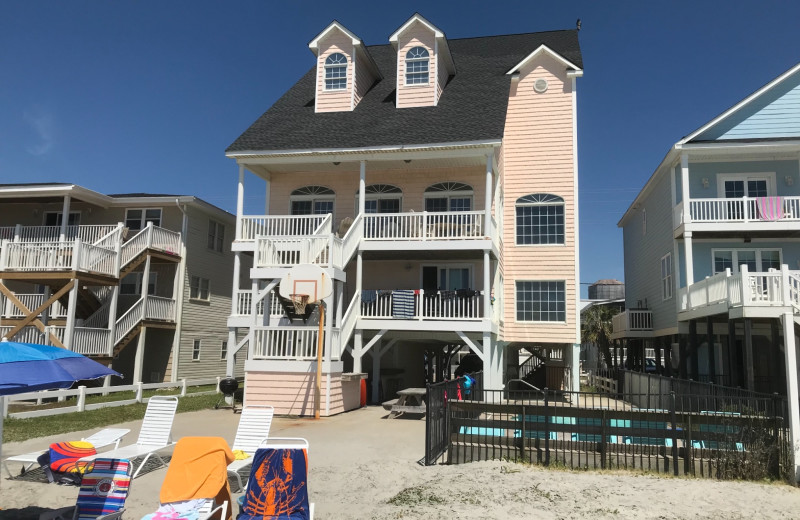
pixel 326 226
pixel 352 239
pixel 110 239
pixel 524 383
pixel 128 321
pixel 349 320
pixel 133 247
pixel 98 318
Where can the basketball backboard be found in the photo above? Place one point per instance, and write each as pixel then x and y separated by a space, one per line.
pixel 307 279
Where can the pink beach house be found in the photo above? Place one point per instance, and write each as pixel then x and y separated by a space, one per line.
pixel 435 181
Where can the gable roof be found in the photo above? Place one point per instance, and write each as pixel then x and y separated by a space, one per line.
pixel 472 106
pixel 739 106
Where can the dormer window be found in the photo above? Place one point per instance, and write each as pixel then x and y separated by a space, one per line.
pixel 336 72
pixel 417 60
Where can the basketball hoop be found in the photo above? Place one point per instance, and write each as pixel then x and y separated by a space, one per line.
pixel 300 301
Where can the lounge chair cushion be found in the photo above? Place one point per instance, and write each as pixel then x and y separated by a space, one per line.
pixel 278 486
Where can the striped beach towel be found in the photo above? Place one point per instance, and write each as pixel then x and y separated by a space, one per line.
pixel 770 208
pixel 403 304
pixel 104 489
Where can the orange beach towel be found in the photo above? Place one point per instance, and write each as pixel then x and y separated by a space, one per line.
pixel 198 469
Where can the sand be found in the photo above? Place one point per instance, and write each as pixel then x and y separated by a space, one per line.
pixel 365 466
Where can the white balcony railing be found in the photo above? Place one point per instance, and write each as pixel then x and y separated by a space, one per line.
pixel 760 289
pixel 32 302
pixel 632 320
pixel 290 251
pixel 159 308
pixel 419 305
pixel 89 234
pixel 286 343
pixel 739 210
pixel 57 256
pixel 455 225
pixel 254 226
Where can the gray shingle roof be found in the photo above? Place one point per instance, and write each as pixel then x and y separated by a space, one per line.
pixel 472 107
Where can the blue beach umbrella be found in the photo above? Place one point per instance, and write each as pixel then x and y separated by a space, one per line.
pixel 28 367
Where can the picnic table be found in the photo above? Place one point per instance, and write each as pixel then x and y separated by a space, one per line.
pixel 410 400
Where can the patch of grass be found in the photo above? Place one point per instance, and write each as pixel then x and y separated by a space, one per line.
pixel 414 496
pixel 15 430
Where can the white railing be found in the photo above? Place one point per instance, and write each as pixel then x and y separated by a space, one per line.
pixel 32 302
pixel 165 240
pixel 348 323
pixel 7 233
pixel 632 320
pixel 287 252
pixel 677 215
pixel 419 305
pixel 57 256
pixel 95 259
pixel 159 308
pixel 244 302
pixel 128 321
pixel 133 247
pixel 89 341
pixel 765 289
pixel 292 343
pixel 454 225
pixel 90 234
pixel 351 239
pixel 744 209
pixel 99 318
pixel 29 334
pixel 254 226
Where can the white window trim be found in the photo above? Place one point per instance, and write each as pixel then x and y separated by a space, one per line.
pixel 223 351
pixel 768 176
pixel 524 322
pixel 198 343
pixel 326 66
pixel 314 198
pixel 670 277
pixel 427 83
pixel 440 266
pixel 217 225
pixel 200 289
pixel 44 217
pixel 735 256
pixel 563 203
pixel 143 219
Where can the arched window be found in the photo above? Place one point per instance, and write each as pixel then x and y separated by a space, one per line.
pixel 448 196
pixel 382 198
pixel 540 219
pixel 417 60
pixel 312 200
pixel 336 72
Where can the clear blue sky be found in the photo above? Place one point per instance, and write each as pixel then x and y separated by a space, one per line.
pixel 130 96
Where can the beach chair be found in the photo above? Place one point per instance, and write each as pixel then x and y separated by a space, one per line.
pixel 102 494
pixel 101 439
pixel 196 483
pixel 253 430
pixel 155 435
pixel 278 483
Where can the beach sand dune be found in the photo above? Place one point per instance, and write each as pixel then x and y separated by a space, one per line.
pixel 364 466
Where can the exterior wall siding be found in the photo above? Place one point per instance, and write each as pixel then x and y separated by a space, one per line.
pixel 643 252
pixel 364 79
pixel 538 158
pixel 710 170
pixel 292 393
pixel 775 113
pixel 334 100
pixel 206 320
pixel 416 35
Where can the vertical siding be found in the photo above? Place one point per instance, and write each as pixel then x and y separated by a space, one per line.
pixel 417 35
pixel 206 321
pixel 334 100
pixel 643 252
pixel 538 158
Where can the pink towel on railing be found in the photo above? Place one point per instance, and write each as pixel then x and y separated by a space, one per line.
pixel 770 208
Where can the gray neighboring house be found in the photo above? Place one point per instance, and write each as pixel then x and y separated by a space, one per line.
pixel 85 277
pixel 712 250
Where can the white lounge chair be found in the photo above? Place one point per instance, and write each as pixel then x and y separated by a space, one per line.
pixel 253 429
pixel 155 435
pixel 101 439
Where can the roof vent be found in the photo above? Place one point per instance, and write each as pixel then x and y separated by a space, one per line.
pixel 540 85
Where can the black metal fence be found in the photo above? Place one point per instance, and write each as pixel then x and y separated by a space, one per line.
pixel 437 418
pixel 743 438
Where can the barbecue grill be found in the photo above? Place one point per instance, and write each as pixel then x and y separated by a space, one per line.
pixel 228 387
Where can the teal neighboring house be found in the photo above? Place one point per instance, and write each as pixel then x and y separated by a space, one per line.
pixel 712 251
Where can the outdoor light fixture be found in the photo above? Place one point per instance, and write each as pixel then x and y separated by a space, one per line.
pixel 336 163
pixel 406 161
pixel 789 180
pixel 705 182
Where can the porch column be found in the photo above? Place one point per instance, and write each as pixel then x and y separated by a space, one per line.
pixel 687 253
pixel 487 289
pixel 712 355
pixel 359 274
pixel 774 359
pixel 790 346
pixel 488 195
pixel 266 195
pixel 693 348
pixel 71 308
pixel 138 360
pixel 145 284
pixel 733 366
pixel 748 354
pixel 64 218
pixel 358 351
pixel 230 362
pixel 239 203
pixel 376 372
pixel 46 312
pixel 575 359
pixel 362 186
pixel 685 187
pixel 495 361
pixel 237 267
pixel 112 319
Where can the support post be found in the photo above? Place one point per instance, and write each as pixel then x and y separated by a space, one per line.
pixel 487 226
pixel 687 253
pixel 487 289
pixel 320 344
pixel 358 350
pixel 362 187
pixel 376 372
pixel 72 304
pixel 733 367
pixel 81 398
pixel 774 356
pixel 64 219
pixel 695 367
pixel 239 203
pixel 712 355
pixel 790 348
pixel 685 191
pixel 138 361
pixel 748 354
